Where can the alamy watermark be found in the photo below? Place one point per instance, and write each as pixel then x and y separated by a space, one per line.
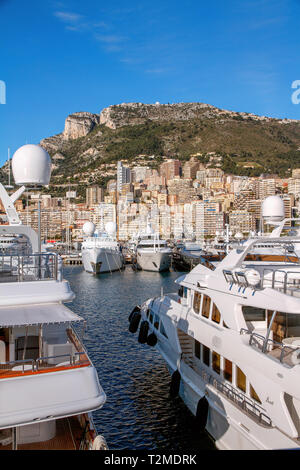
pixel 296 94
pixel 2 92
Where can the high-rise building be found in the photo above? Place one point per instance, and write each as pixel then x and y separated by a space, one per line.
pixel 171 169
pixel 123 175
pixel 94 195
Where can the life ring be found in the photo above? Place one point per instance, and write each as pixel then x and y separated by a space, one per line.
pixel 134 323
pixel 143 332
pixel 152 339
pixel 201 413
pixel 295 357
pixel 137 308
pixel 175 383
pixel 99 443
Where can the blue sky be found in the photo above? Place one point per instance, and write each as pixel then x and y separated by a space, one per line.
pixel 62 57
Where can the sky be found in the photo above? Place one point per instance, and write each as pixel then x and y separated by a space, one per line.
pixel 61 57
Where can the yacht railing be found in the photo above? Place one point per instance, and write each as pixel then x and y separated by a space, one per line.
pixel 248 405
pixel 41 363
pixel 34 267
pixel 282 352
pixel 281 280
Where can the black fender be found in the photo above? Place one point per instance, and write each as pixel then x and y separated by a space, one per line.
pixel 175 383
pixel 152 339
pixel 134 322
pixel 137 308
pixel 201 413
pixel 143 332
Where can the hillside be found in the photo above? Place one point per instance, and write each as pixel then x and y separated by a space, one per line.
pixel 88 148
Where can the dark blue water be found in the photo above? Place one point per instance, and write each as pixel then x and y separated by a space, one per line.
pixel 138 413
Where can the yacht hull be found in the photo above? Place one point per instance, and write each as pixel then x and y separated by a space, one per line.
pixel 101 260
pixel 153 261
pixel 239 432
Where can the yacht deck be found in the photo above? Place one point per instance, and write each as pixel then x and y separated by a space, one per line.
pixel 68 437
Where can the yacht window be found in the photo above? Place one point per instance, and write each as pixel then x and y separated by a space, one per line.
pixel 162 329
pixel 216 362
pixel 205 352
pixel 205 306
pixel 151 317
pixel 254 313
pixel 227 371
pixel 254 395
pixel 240 379
pixel 197 349
pixel 197 301
pixel 180 291
pixel 215 316
pixel 156 321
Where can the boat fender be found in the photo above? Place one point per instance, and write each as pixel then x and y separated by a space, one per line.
pixel 201 413
pixel 295 357
pixel 134 322
pixel 99 443
pixel 137 308
pixel 152 339
pixel 143 332
pixel 175 383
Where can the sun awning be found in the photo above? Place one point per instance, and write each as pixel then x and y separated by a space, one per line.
pixel 23 315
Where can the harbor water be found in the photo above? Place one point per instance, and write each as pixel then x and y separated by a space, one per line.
pixel 139 413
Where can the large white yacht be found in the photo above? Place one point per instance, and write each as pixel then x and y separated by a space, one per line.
pixel 231 340
pixel 48 384
pixel 153 253
pixel 101 252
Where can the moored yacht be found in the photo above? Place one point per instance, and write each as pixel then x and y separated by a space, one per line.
pixel 48 384
pixel 101 252
pixel 153 253
pixel 231 340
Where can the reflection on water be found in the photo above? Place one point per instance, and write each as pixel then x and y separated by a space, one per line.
pixel 138 414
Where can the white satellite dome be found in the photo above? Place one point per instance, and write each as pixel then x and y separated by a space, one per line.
pixel 238 236
pixel 110 228
pixel 31 165
pixel 272 209
pixel 253 277
pixel 88 228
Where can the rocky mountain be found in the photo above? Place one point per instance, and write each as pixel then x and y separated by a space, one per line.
pixel 87 149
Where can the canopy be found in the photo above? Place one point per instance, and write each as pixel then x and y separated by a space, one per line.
pixel 26 315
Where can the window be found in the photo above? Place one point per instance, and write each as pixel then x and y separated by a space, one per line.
pixel 205 352
pixel 205 306
pixel 162 329
pixel 215 316
pixel 196 303
pixel 216 362
pixel 227 371
pixel 156 321
pixel 240 379
pixel 197 349
pixel 151 317
pixel 254 314
pixel 254 395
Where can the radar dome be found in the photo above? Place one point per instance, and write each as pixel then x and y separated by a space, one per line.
pixel 88 228
pixel 272 209
pixel 31 165
pixel 110 228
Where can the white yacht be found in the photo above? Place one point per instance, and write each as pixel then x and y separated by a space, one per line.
pixel 231 340
pixel 153 253
pixel 48 384
pixel 101 252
